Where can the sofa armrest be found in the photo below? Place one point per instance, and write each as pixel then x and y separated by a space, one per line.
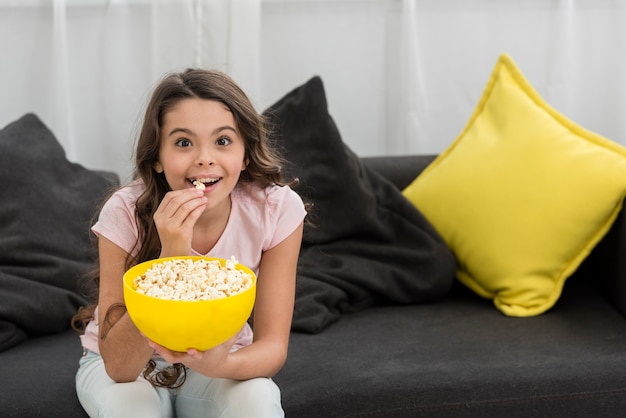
pixel 609 264
pixel 401 170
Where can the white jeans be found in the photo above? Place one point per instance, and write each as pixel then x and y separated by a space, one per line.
pixel 199 396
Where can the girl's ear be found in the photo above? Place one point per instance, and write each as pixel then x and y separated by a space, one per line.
pixel 244 164
pixel 158 167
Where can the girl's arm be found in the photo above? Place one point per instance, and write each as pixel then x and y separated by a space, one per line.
pixel 273 311
pixel 124 350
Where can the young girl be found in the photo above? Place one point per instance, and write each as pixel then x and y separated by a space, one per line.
pixel 199 126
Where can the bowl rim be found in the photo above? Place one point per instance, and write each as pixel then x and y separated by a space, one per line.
pixel 127 279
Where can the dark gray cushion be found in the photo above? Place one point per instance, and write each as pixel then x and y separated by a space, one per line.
pixel 43 370
pixel 461 358
pixel 367 244
pixel 47 205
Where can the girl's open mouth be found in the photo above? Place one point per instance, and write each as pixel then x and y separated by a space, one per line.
pixel 203 183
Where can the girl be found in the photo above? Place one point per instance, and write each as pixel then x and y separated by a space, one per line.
pixel 199 126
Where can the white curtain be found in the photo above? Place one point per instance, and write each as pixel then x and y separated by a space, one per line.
pixel 401 76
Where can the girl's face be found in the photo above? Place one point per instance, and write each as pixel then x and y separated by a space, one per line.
pixel 200 141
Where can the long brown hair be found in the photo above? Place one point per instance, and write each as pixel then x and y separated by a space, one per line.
pixel 264 166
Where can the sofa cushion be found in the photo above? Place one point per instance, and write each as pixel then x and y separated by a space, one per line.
pixel 459 358
pixel 522 195
pixel 47 205
pixel 44 385
pixel 366 243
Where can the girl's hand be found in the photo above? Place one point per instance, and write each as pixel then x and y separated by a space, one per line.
pixel 211 363
pixel 175 218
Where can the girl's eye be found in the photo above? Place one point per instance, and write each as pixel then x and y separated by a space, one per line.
pixel 183 142
pixel 223 140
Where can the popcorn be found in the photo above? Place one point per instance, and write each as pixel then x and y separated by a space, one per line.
pixel 199 185
pixel 187 279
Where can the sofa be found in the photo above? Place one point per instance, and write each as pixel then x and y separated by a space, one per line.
pixel 393 318
pixel 457 357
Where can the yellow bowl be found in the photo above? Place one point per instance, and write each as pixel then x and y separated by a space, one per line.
pixel 180 325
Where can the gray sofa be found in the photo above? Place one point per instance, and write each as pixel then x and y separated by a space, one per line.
pixel 457 357
pixel 381 327
pixel 460 357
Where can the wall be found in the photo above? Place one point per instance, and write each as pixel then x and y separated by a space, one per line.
pixel 402 76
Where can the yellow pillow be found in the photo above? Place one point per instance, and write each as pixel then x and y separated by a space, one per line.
pixel 522 195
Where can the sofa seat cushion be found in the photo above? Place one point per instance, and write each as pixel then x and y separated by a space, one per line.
pixel 38 377
pixel 458 358
pixel 454 358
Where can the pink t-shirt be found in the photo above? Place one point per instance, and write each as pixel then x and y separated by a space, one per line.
pixel 260 218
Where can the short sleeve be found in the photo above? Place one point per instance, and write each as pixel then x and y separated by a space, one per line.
pixel 117 222
pixel 286 212
pixel 260 219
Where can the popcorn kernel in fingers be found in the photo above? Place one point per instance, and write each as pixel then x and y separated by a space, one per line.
pixel 199 185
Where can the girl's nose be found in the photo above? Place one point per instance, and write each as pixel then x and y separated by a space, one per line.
pixel 204 158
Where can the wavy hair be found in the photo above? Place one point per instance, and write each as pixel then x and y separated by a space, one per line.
pixel 264 167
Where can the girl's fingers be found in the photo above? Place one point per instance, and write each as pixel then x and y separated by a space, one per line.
pixel 178 205
pixel 175 218
pixel 174 200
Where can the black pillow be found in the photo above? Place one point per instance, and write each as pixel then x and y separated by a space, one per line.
pixel 46 205
pixel 367 244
